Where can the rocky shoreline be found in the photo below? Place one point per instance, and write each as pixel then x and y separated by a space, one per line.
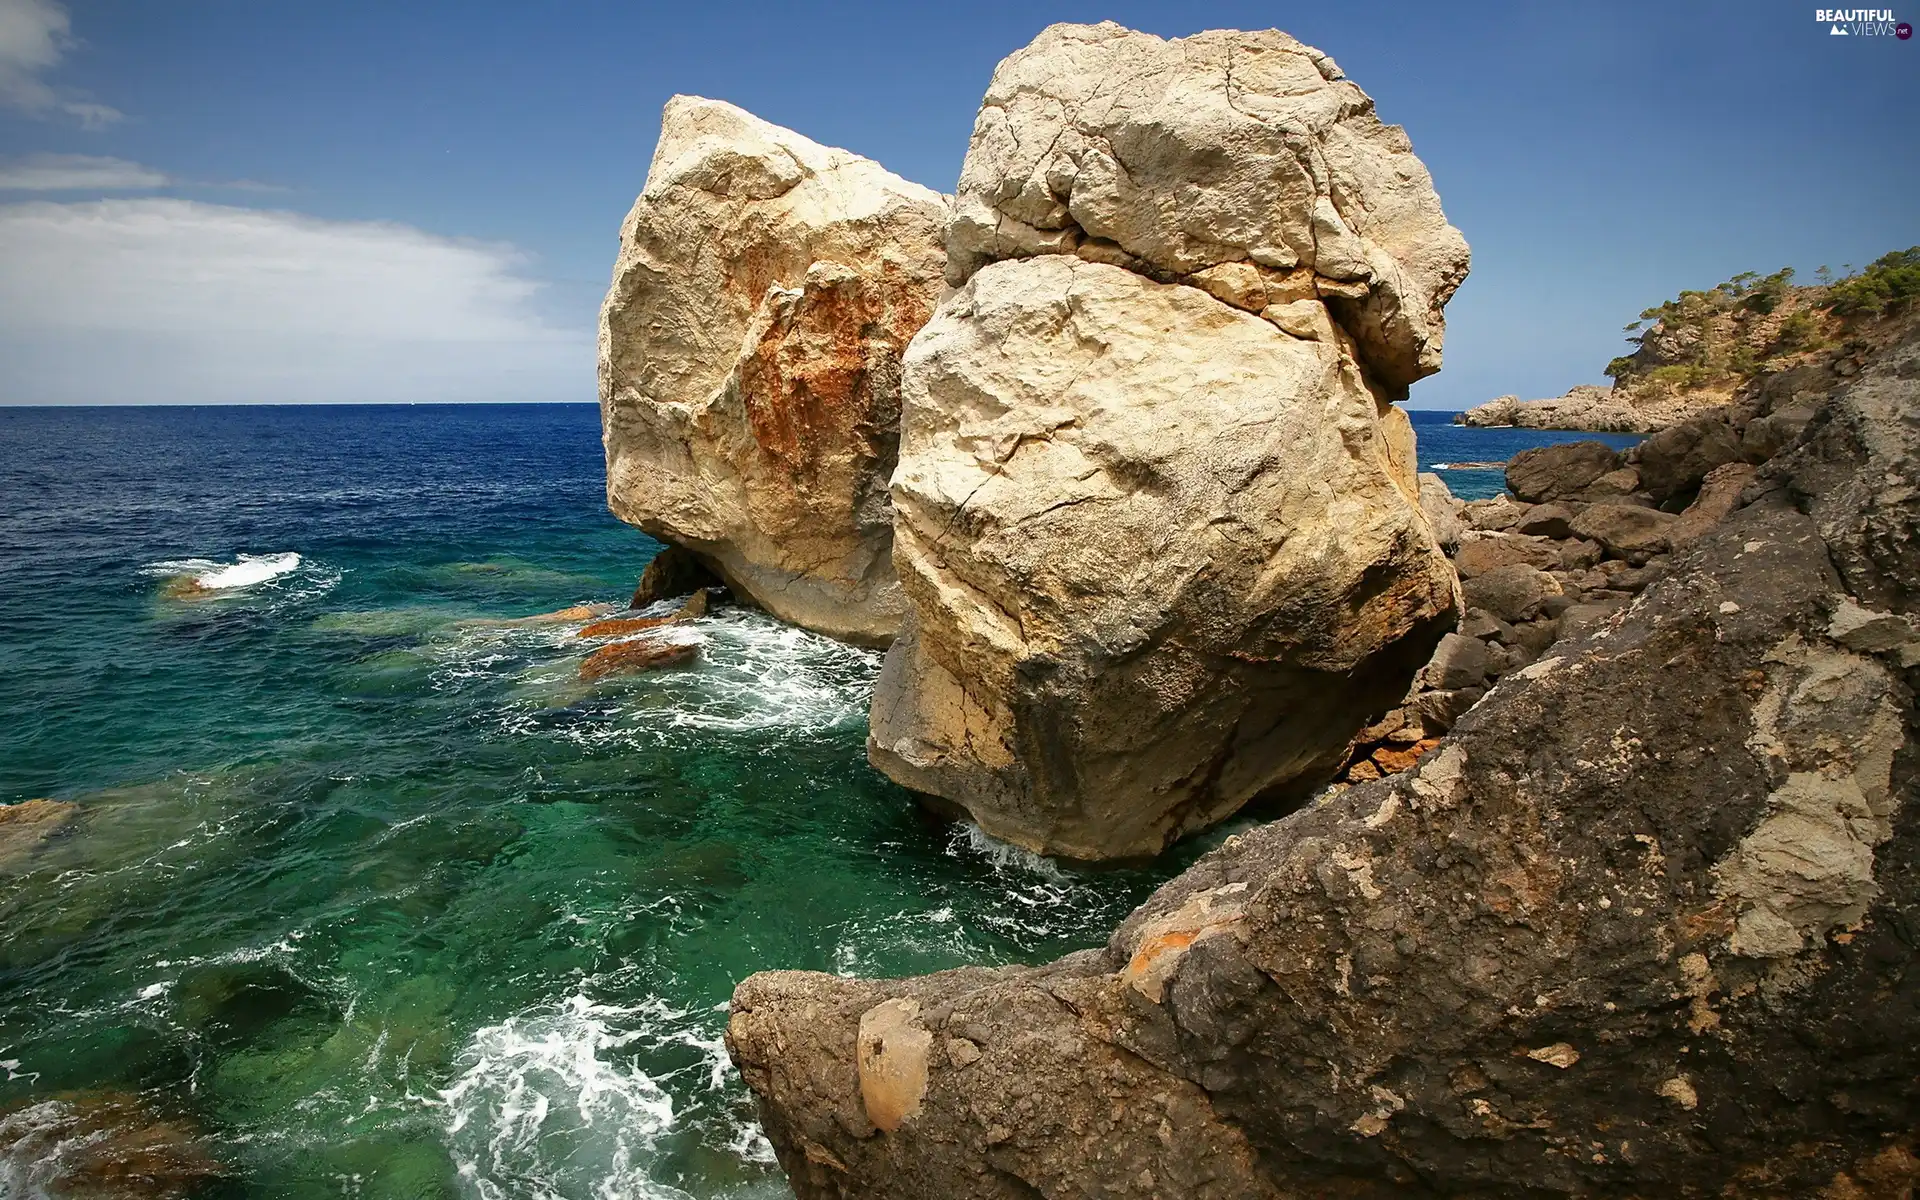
pixel 1601 838
pixel 1584 409
pixel 1634 923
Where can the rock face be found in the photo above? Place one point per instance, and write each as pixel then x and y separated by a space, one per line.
pixel 1584 407
pixel 1245 163
pixel 1641 925
pixel 1162 558
pixel 1157 520
pixel 749 361
pixel 672 572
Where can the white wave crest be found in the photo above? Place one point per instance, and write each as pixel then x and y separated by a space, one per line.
pixel 539 1111
pixel 1003 857
pixel 246 571
pixel 753 674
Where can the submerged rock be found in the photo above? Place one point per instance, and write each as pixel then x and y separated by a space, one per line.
pixel 1641 925
pixel 560 616
pixel 749 361
pixel 26 826
pixel 1162 557
pixel 101 1145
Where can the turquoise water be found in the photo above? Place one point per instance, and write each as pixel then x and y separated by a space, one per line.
pixel 365 886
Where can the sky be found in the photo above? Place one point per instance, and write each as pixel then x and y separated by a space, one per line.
pixel 225 201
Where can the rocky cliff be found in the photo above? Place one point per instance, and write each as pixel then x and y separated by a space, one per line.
pixel 1156 516
pixel 1640 924
pixel 750 353
pixel 1708 349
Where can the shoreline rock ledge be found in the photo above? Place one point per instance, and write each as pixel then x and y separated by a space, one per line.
pixel 1156 515
pixel 1642 924
pixel 750 356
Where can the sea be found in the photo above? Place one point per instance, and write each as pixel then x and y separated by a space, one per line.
pixel 366 892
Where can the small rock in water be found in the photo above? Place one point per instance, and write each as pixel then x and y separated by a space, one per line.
pixel 640 654
pixel 28 824
pixel 101 1145
pixel 696 606
pixel 1562 471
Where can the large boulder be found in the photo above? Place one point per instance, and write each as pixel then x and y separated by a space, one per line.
pixel 1559 472
pixel 1674 461
pixel 1625 530
pixel 1245 162
pixel 1513 592
pixel 1643 925
pixel 749 361
pixel 1162 557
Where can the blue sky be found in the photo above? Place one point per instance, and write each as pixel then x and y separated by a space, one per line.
pixel 381 201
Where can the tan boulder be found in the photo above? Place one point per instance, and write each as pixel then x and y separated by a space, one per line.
pixel 1443 511
pixel 1244 162
pixel 1484 554
pixel 749 361
pixel 1162 558
pixel 1513 592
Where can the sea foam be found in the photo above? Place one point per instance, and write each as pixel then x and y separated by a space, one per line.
pixel 246 571
pixel 540 1109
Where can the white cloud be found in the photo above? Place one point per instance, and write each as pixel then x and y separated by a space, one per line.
pixel 175 301
pixel 34 35
pixel 76 173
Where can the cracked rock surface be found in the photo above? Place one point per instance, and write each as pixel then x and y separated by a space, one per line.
pixel 1642 924
pixel 1243 162
pixel 1157 517
pixel 1161 558
pixel 750 361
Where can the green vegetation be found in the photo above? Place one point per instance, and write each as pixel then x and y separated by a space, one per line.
pixel 1889 282
pixel 1727 333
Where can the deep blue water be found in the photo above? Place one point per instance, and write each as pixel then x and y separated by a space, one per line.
pixel 365 886
pixel 1442 442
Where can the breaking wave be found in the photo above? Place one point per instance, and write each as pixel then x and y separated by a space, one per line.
pixel 247 571
pixel 753 674
pixel 549 1103
pixel 541 1108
